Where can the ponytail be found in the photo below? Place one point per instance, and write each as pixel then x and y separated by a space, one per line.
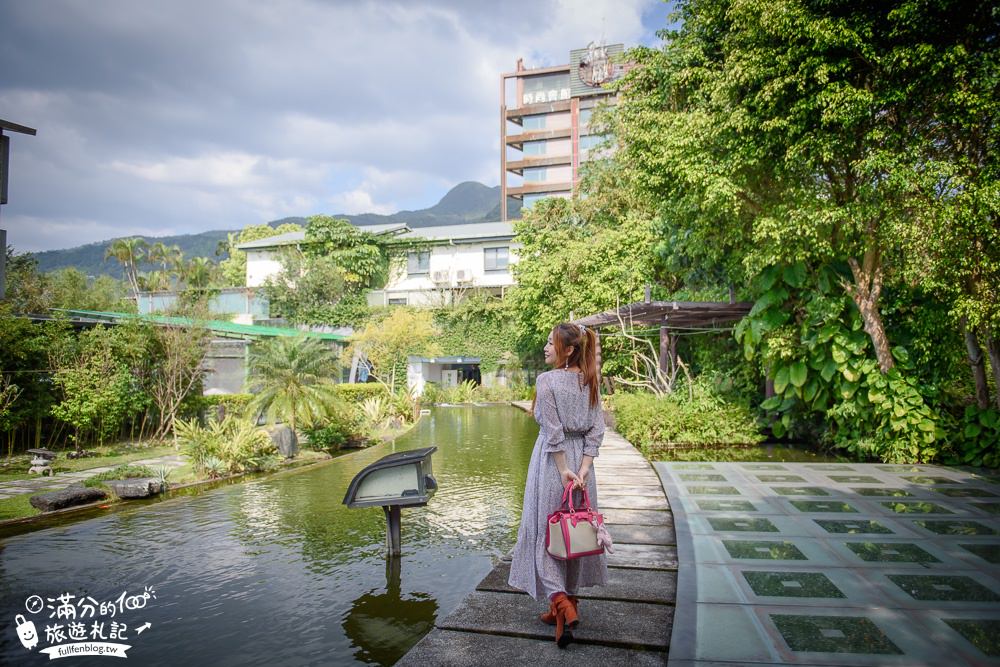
pixel 588 363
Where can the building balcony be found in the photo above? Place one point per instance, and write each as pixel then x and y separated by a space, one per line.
pixel 518 166
pixel 514 115
pixel 539 188
pixel 517 140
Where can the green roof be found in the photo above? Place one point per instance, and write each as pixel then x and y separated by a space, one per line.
pixel 219 327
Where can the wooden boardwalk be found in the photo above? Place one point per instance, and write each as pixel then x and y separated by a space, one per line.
pixel 626 622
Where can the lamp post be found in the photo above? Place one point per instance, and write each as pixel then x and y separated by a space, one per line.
pixel 4 171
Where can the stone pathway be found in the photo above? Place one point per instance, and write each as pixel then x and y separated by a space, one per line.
pixel 63 479
pixel 834 564
pixel 626 622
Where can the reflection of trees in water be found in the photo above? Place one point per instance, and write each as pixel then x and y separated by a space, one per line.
pixel 382 626
pixel 481 466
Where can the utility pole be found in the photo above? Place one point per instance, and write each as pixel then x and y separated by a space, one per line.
pixel 4 171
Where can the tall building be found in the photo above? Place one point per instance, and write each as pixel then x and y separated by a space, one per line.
pixel 545 124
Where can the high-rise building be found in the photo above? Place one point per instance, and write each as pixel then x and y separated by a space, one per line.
pixel 545 118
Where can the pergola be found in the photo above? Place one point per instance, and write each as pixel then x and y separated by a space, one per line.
pixel 702 316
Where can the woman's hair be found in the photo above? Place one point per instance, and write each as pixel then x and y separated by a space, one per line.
pixel 583 355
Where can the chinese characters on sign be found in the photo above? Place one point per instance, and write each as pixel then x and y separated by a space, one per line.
pixel 80 624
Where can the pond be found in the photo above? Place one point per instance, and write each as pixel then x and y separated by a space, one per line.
pixel 277 570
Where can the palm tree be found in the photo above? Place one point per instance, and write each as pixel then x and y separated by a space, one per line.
pixel 293 380
pixel 128 252
pixel 199 272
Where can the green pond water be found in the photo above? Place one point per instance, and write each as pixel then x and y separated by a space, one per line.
pixel 278 570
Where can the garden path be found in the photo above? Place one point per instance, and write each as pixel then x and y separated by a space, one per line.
pixel 64 479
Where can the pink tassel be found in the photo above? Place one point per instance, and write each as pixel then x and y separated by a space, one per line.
pixel 604 537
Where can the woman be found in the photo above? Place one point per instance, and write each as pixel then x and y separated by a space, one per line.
pixel 571 426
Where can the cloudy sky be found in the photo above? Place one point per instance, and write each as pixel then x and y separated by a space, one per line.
pixel 173 116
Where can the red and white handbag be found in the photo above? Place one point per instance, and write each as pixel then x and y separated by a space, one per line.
pixel 574 533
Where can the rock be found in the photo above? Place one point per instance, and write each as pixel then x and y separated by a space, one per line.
pixel 284 439
pixel 136 487
pixel 68 497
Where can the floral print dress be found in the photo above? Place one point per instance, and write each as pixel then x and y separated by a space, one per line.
pixel 567 424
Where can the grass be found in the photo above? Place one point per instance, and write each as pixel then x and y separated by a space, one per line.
pixel 16 507
pixel 109 455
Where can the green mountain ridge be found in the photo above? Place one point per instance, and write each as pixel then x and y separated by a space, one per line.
pixel 465 203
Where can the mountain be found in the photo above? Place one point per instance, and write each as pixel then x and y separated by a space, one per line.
pixel 466 202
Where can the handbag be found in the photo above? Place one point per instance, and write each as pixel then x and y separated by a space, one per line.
pixel 573 533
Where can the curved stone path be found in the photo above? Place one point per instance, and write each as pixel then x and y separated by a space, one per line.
pixel 627 622
pixel 64 479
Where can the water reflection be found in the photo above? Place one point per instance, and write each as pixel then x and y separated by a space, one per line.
pixel 278 569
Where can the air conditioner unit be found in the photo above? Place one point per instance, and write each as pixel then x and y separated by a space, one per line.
pixel 463 276
pixel 439 276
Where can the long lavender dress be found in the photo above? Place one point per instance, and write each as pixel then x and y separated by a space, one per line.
pixel 566 423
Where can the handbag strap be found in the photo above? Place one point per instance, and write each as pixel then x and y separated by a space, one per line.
pixel 567 499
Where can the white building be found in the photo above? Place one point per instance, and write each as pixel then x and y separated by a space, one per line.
pixel 459 258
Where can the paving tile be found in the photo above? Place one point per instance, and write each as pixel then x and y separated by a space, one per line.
pixel 822 506
pixel 945 527
pixel 965 492
pixel 992 508
pixel 739 524
pixel 631 624
pixel 988 552
pixel 763 549
pixel 791 584
pixel 916 507
pixel 763 466
pixel 779 478
pixel 943 587
pixel 726 505
pixel 882 492
pixel 919 479
pixel 833 634
pixel 852 526
pixel 984 634
pixel 701 477
pixel 855 479
pixel 891 552
pixel 717 490
pixel 800 490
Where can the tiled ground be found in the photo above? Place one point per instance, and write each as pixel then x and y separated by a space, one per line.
pixel 64 479
pixel 834 564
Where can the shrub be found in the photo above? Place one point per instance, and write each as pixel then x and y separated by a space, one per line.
pixel 679 419
pixel 232 404
pixel 238 443
pixel 329 438
pixel 125 471
pixel 357 393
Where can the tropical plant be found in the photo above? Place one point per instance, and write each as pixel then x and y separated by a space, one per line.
pixel 292 379
pixel 129 253
pixel 375 409
pixel 239 443
pixel 388 343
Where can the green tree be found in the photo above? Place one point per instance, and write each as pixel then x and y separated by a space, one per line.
pixel 293 380
pixel 363 257
pixel 388 342
pixel 306 288
pixel 27 291
pixel 777 132
pixel 234 268
pixel 129 253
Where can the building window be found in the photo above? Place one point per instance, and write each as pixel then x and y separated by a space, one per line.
pixel 534 122
pixel 418 262
pixel 589 141
pixel 534 174
pixel 533 148
pixel 397 302
pixel 585 115
pixel 496 258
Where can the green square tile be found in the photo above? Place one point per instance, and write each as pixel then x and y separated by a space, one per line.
pixel 855 479
pixel 929 480
pixel 966 492
pixel 725 505
pixel 992 508
pixel 741 524
pixel 702 477
pixel 800 491
pixel 899 468
pixel 712 491
pixel 943 587
pixel 983 633
pixel 916 507
pixel 890 552
pixel 988 552
pixel 821 506
pixel 693 466
pixel 833 634
pixel 944 527
pixel 763 549
pixel 883 492
pixel 764 466
pixel 779 478
pixel 829 467
pixel 852 527
pixel 792 585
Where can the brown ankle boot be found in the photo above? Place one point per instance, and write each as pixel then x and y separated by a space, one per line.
pixel 566 618
pixel 549 617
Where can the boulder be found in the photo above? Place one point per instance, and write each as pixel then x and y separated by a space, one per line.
pixel 136 487
pixel 284 439
pixel 68 497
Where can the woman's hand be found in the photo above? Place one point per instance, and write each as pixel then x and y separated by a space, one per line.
pixel 583 474
pixel 570 476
